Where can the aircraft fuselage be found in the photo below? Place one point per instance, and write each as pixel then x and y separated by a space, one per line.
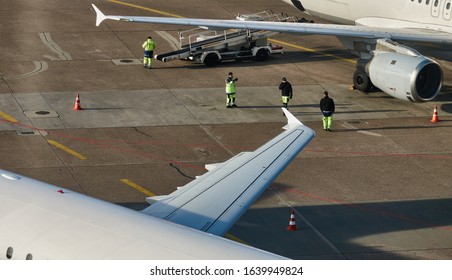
pixel 423 14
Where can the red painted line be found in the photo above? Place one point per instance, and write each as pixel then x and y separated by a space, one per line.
pixel 176 144
pixel 102 143
pixel 99 144
pixel 105 144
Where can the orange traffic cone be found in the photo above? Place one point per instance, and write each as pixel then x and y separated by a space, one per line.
pixel 292 224
pixel 77 103
pixel 435 115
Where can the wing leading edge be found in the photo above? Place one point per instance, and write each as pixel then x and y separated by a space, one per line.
pixel 357 31
pixel 216 200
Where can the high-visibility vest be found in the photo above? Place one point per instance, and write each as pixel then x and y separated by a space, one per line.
pixel 230 85
pixel 149 45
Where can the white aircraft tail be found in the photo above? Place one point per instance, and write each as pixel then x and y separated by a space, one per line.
pixel 99 15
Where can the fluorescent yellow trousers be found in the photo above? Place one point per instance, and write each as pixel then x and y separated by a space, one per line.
pixel 328 123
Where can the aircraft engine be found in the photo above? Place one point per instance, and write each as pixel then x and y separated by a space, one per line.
pixel 405 77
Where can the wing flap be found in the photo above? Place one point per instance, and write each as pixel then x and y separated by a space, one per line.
pixel 215 201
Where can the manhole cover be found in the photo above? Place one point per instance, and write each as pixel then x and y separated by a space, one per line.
pixel 26 133
pixel 42 112
pixel 126 61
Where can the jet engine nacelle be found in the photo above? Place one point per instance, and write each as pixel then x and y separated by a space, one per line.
pixel 406 77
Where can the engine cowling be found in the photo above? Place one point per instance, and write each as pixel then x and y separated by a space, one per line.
pixel 406 77
pixel 296 3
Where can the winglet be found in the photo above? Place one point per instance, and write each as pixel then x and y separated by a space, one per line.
pixel 99 15
pixel 291 120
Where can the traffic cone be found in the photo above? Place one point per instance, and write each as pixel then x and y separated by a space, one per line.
pixel 435 115
pixel 77 103
pixel 292 224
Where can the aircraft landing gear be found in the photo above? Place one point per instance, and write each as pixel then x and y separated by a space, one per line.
pixel 361 81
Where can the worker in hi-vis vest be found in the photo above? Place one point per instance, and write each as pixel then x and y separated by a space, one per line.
pixel 230 90
pixel 148 46
pixel 286 92
pixel 327 107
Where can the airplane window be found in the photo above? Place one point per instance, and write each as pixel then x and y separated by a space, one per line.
pixel 9 253
pixel 420 1
pixel 29 257
pixel 436 3
pixel 448 6
pixel 427 2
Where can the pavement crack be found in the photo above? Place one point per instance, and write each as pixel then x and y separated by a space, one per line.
pixel 141 132
pixel 180 171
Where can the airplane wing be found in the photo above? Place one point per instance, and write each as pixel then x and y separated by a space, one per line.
pixel 359 31
pixel 215 201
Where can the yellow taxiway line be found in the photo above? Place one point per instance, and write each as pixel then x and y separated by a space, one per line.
pixel 236 239
pixel 66 149
pixel 311 50
pixel 149 193
pixel 137 187
pixel 7 117
pixel 145 8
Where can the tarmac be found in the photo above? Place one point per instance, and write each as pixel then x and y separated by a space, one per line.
pixel 378 187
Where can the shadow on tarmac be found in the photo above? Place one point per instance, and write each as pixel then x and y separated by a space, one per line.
pixel 292 56
pixel 375 230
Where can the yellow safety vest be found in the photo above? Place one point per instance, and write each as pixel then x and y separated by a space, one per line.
pixel 230 86
pixel 149 45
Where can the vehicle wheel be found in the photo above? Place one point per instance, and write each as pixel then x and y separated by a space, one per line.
pixel 262 55
pixel 361 81
pixel 211 59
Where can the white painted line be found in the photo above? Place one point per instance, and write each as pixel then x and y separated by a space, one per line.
pixel 40 66
pixel 170 39
pixel 349 126
pixel 53 46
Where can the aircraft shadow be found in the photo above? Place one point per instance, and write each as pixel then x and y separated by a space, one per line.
pixel 375 230
pixel 316 106
pixel 270 106
pixel 445 94
pixel 446 108
pixel 291 56
pixel 138 206
pixel 332 230
pixel 391 128
pixel 100 109
pixel 338 112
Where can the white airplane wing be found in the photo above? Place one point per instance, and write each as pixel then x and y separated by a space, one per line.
pixel 396 34
pixel 215 201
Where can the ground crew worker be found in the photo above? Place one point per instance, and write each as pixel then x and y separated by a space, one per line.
pixel 327 107
pixel 230 90
pixel 148 46
pixel 286 92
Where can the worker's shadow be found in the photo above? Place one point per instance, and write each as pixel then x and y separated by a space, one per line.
pixel 275 106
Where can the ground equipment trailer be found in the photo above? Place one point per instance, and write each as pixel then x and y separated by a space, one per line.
pixel 213 46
